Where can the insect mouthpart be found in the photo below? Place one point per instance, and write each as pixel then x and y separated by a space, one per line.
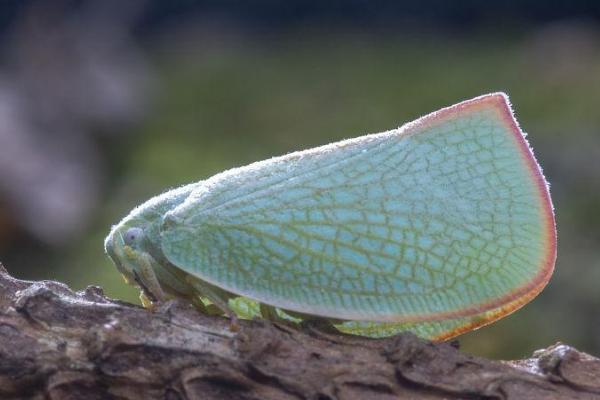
pixel 144 288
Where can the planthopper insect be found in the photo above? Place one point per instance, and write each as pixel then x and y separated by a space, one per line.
pixel 438 227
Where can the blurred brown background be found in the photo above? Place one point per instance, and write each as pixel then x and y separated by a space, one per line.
pixel 106 103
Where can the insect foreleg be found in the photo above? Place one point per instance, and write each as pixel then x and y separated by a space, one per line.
pixel 152 292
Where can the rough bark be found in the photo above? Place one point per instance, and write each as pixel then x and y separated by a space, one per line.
pixel 58 344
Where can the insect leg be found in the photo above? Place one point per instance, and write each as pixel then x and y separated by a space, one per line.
pixel 217 296
pixel 269 312
pixel 146 302
pixel 151 290
pixel 208 309
pixel 320 327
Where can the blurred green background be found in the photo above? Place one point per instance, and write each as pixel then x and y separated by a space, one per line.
pixel 105 104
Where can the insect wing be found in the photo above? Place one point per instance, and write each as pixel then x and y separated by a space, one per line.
pixel 446 217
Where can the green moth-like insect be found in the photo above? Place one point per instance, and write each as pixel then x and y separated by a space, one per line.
pixel 438 227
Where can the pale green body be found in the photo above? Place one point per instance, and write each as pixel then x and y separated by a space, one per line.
pixel 437 227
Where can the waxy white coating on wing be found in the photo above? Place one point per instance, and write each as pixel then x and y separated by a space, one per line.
pixel 446 217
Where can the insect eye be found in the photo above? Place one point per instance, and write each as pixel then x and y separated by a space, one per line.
pixel 133 236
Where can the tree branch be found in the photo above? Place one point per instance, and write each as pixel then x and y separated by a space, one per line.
pixel 57 344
